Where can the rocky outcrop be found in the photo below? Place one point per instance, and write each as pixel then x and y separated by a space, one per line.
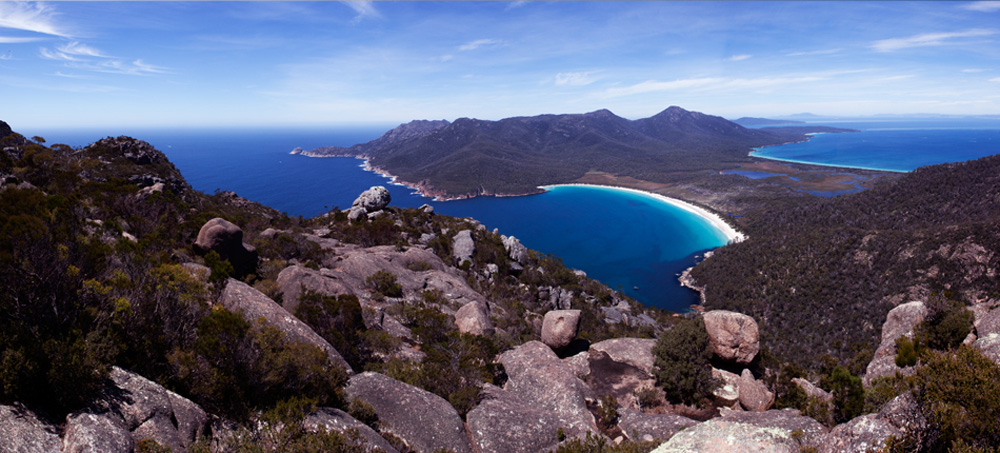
pixel 515 249
pixel 559 328
pixel 641 427
pixel 149 411
pixel 606 376
pixel 423 420
pixel 474 318
pixel 540 380
pixel 733 336
pixel 137 151
pixel 97 433
pixel 989 345
pixel 376 198
pixel 899 322
pixel 463 246
pixel 22 431
pixel 860 435
pixel 336 420
pixel 754 395
pixel 223 237
pixel 900 418
pixel 242 298
pixel 504 422
pixel 293 280
pixel 728 391
pixel 772 431
pixel 812 391
pixel 637 352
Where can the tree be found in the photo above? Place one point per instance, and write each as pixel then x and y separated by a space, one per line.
pixel 682 359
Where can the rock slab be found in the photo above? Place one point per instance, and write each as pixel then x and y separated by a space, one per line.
pixel 425 421
pixel 733 336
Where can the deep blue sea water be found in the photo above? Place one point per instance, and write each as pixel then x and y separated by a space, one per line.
pixel 623 239
pixel 894 145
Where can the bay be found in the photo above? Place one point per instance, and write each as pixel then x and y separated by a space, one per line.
pixel 893 145
pixel 628 241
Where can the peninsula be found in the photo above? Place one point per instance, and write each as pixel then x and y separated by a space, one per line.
pixel 676 153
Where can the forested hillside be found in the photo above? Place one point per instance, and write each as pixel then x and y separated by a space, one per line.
pixel 821 274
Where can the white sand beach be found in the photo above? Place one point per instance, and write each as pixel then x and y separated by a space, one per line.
pixel 732 235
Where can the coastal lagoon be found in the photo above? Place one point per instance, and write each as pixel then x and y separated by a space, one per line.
pixel 630 241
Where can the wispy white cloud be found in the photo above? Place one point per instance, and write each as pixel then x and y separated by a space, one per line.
pixel 575 79
pixel 995 79
pixel 709 84
pixel 6 56
pixel 927 39
pixel 740 57
pixel 364 8
pixel 473 45
pixel 516 4
pixel 814 52
pixel 973 70
pixel 985 6
pixel 17 40
pixel 80 56
pixel 33 17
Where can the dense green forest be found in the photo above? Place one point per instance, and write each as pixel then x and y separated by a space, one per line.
pixel 820 274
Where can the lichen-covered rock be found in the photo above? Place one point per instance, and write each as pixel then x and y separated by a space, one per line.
pixel 242 298
pixel 225 238
pixel 988 323
pixel 903 412
pixel 374 199
pixel 515 249
pixel 637 352
pixel 860 435
pixel 812 390
pixel 150 411
pixel 502 422
pixel 423 420
pixel 22 431
pixel 294 279
pixel 754 395
pixel 97 433
pixel 728 391
pixel 640 427
pixel 538 378
pixel 990 346
pixel 899 322
pixel 336 420
pixel 772 431
pixel 621 380
pixel 463 246
pixel 559 328
pixel 474 318
pixel 733 336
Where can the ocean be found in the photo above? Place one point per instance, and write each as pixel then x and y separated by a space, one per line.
pixel 630 242
pixel 894 145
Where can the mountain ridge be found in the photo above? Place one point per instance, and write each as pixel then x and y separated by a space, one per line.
pixel 514 156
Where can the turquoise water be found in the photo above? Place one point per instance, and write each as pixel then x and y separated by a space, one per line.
pixel 894 145
pixel 626 240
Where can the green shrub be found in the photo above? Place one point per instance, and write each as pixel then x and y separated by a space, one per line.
pixel 682 358
pixel 848 394
pixel 384 283
pixel 907 351
pixel 947 323
pixel 959 393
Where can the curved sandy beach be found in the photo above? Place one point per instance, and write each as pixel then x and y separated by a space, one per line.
pixel 732 235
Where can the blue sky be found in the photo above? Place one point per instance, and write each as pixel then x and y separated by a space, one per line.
pixel 106 64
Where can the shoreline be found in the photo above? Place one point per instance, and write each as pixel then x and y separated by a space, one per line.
pixel 803 162
pixel 715 220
